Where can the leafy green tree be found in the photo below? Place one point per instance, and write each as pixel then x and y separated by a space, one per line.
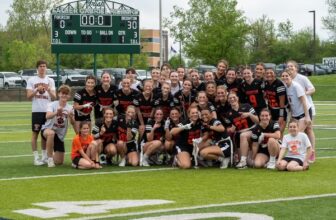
pixel 175 61
pixel 330 20
pixel 210 30
pixel 21 55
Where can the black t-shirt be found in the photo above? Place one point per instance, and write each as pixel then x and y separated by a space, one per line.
pixel 122 128
pixel 159 133
pixel 145 105
pixel 253 93
pixel 273 92
pixel 110 133
pixel 186 136
pixel 125 100
pixel 164 104
pixel 271 128
pixel 234 117
pixel 83 97
pixel 104 99
pixel 214 135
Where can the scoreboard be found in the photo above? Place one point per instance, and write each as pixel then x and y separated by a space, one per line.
pixel 102 31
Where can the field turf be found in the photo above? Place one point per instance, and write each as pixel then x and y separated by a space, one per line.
pixel 161 190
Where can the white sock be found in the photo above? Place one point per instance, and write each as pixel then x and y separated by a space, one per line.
pixel 145 156
pixel 243 159
pixel 221 158
pixel 44 154
pixel 272 159
pixel 36 155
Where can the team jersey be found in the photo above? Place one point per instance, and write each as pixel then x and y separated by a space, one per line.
pixel 164 103
pixel 122 128
pixel 272 127
pixel 220 80
pixel 104 99
pixel 200 87
pixel 136 85
pixel 110 134
pixel 296 146
pixel 145 105
pixel 214 135
pixel 79 143
pixel 222 109
pixel 125 100
pixel 159 133
pixel 294 92
pixel 273 92
pixel 187 136
pixel 253 94
pixel 41 99
pixel 209 106
pixel 233 87
pixel 175 89
pixel 83 97
pixel 59 123
pixel 242 124
pixel 184 101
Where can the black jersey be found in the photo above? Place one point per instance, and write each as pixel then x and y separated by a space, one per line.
pixel 235 87
pixel 209 106
pixel 171 126
pixel 125 100
pixel 145 105
pixel 184 101
pixel 200 87
pixel 222 109
pixel 214 135
pixel 234 117
pixel 273 92
pixel 159 133
pixel 104 99
pixel 164 103
pixel 272 127
pixel 110 133
pixel 187 136
pixel 122 128
pixel 254 94
pixel 83 97
pixel 220 80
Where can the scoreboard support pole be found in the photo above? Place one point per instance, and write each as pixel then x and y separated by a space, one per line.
pixel 95 65
pixel 57 70
pixel 131 60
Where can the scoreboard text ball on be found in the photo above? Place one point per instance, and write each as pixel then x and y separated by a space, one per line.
pixel 95 26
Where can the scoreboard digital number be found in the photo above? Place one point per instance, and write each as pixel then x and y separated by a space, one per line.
pixel 117 32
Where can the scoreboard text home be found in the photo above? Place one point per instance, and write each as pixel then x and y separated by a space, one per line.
pixel 95 26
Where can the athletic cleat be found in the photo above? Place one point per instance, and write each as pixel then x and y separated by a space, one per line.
pixel 51 162
pixel 145 163
pixel 241 165
pixel 312 158
pixel 38 162
pixel 122 162
pixel 225 163
pixel 271 165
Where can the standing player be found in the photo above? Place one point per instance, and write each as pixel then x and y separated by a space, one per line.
pixel 184 98
pixel 54 130
pixel 84 102
pixel 164 100
pixel 222 66
pixel 276 98
pixel 41 90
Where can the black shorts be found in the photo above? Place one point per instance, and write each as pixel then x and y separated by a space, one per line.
pixel 107 143
pixel 225 145
pixel 185 148
pixel 303 115
pixel 263 150
pixel 131 147
pixel 75 161
pixel 38 119
pixel 289 159
pixel 58 144
pixel 275 113
pixel 82 117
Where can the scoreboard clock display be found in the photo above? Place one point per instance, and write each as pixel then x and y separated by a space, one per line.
pixel 116 31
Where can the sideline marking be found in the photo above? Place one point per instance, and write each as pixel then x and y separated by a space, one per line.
pixel 86 174
pixel 209 206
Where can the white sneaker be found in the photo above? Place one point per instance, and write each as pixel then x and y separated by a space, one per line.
pixel 122 162
pixel 145 163
pixel 38 162
pixel 51 162
pixel 225 163
pixel 44 160
pixel 241 165
pixel 271 165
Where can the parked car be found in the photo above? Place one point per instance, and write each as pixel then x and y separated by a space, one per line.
pixel 280 68
pixel 53 75
pixel 203 68
pixel 143 74
pixel 87 72
pixel 10 80
pixel 324 67
pixel 26 74
pixel 318 70
pixel 117 73
pixel 72 77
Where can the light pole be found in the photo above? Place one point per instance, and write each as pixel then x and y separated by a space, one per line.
pixel 314 40
pixel 161 52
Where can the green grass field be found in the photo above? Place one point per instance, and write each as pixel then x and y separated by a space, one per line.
pixel 148 193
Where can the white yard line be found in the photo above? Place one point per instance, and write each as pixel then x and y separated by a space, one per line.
pixel 210 206
pixel 85 174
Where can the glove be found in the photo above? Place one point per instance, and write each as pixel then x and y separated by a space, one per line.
pixel 167 123
pixel 87 105
pixel 197 140
pixel 261 138
pixel 186 127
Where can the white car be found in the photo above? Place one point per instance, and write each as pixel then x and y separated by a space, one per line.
pixel 143 74
pixel 10 80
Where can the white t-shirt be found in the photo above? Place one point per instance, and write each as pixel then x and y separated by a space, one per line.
pixel 40 100
pixel 135 85
pixel 294 92
pixel 306 85
pixel 59 123
pixel 296 145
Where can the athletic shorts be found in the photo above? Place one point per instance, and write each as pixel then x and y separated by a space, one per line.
pixel 225 145
pixel 263 150
pixel 303 115
pixel 289 159
pixel 82 117
pixel 131 147
pixel 188 148
pixel 58 143
pixel 38 119
pixel 275 113
pixel 75 161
